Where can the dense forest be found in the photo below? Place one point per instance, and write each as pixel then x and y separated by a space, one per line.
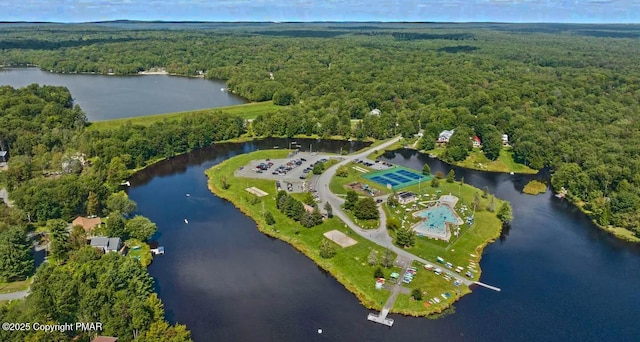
pixel 58 171
pixel 567 95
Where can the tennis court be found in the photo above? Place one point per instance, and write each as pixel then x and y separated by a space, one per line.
pixel 397 177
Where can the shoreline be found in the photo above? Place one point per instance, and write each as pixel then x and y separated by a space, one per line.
pixel 619 233
pixel 352 282
pixel 347 284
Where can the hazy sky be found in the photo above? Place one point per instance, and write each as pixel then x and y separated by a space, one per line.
pixel 591 11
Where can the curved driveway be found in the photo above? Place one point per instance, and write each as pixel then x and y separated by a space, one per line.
pixel 379 236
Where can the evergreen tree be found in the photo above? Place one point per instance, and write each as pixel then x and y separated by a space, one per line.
pixel 435 182
pixel 59 239
pixel 16 258
pixel 268 217
pixel 505 214
pixel 93 204
pixel 416 294
pixel 451 176
pixel 476 201
pixel 426 169
pixel 351 200
pixel 378 273
pixel 77 238
pixel 328 209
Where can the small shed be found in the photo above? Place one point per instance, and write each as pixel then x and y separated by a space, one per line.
pixel 4 156
pixel 406 197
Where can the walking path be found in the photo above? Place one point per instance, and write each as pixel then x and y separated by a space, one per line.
pixel 379 236
pixel 13 295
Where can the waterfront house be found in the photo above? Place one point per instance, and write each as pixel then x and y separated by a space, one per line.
pixel 445 136
pixel 406 197
pixel 4 156
pixel 87 223
pixel 106 244
pixel 476 141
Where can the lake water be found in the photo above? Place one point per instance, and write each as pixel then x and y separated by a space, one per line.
pixel 562 279
pixel 105 97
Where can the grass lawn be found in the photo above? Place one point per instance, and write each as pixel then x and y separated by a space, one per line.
pixel 477 161
pixel 349 266
pixel 535 187
pixel 14 286
pixel 142 251
pixel 338 185
pixel 246 111
pixel 486 226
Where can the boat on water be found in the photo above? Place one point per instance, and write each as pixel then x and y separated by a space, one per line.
pixel 186 221
pixel 188 195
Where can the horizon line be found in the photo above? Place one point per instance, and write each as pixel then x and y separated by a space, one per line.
pixel 310 22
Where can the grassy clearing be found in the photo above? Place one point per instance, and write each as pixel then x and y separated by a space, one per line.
pixel 246 111
pixel 535 187
pixel 472 240
pixel 478 161
pixel 142 251
pixel 349 266
pixel 14 286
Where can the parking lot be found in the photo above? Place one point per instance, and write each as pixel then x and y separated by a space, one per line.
pixel 292 172
pixel 374 164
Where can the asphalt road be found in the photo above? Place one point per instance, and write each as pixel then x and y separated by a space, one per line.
pixel 379 236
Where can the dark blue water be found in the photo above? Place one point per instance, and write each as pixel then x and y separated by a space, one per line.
pixel 562 279
pixel 110 97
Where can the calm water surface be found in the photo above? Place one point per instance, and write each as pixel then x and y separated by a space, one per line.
pixel 562 279
pixel 110 97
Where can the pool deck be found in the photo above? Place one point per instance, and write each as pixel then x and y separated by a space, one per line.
pixel 447 231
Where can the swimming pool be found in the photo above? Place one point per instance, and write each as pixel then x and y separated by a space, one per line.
pixel 435 219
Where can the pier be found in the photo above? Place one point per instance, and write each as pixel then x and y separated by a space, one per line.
pixel 395 290
pixel 488 286
pixel 381 318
